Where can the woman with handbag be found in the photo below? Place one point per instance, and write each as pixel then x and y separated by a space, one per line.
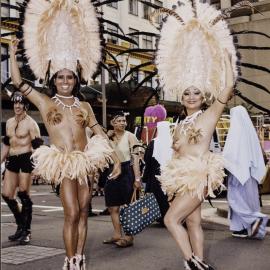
pixel 204 71
pixel 119 192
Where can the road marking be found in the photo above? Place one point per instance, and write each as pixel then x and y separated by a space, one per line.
pixel 264 202
pixel 53 210
pixel 42 193
pixel 48 208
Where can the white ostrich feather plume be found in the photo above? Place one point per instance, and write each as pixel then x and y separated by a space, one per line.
pixel 191 52
pixel 63 32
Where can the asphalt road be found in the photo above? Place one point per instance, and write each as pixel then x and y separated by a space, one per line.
pixel 154 249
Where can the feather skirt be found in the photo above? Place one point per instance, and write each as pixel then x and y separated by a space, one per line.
pixel 54 165
pixel 198 176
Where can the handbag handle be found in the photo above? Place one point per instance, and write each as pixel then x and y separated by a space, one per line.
pixel 134 197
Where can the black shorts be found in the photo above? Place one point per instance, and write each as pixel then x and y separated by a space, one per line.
pixel 119 191
pixel 19 163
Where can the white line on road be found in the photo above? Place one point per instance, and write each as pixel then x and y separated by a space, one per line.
pixel 53 210
pixel 42 194
pixel 49 208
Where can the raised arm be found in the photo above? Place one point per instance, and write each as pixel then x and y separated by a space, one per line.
pixel 216 109
pixel 34 96
pixel 96 128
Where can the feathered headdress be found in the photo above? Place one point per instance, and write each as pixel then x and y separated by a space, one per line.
pixel 191 49
pixel 62 34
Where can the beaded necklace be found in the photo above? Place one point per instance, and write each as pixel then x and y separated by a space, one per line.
pixel 188 123
pixel 58 101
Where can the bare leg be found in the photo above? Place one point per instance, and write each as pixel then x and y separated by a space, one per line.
pixel 181 207
pixel 114 212
pixel 25 182
pixel 84 200
pixel 69 198
pixel 10 184
pixel 195 232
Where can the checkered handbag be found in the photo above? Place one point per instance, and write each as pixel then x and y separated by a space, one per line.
pixel 139 213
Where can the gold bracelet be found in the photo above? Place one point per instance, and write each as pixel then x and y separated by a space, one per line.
pixel 224 103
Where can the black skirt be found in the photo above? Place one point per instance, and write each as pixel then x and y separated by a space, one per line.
pixel 119 191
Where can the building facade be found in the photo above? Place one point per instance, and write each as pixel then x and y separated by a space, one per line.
pixel 132 16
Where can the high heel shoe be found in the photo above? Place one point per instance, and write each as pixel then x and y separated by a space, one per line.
pixel 192 264
pixel 195 263
pixel 81 262
pixel 70 264
pixel 202 263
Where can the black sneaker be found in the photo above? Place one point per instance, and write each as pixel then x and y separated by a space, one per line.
pixel 241 234
pixel 25 238
pixel 16 235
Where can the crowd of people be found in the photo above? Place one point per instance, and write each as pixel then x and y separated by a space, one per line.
pixel 178 166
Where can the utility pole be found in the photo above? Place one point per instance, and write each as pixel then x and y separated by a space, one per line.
pixel 103 90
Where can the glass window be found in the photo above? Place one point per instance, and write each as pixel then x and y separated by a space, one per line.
pixel 147 42
pixel 149 83
pixel 5 10
pixel 135 38
pixel 158 18
pixel 113 5
pixel 135 76
pixel 113 29
pixel 113 69
pixel 4 64
pixel 146 10
pixel 133 7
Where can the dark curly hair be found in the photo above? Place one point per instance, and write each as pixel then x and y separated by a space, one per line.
pixel 17 96
pixel 75 92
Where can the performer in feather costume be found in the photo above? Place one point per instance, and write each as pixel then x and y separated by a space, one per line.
pixel 196 61
pixel 61 38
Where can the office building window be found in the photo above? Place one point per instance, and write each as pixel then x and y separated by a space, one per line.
pixel 133 7
pixel 149 83
pixel 146 10
pixel 135 76
pixel 113 29
pixel 4 64
pixel 113 70
pixel 5 10
pixel 147 42
pixel 135 38
pixel 113 5
pixel 158 18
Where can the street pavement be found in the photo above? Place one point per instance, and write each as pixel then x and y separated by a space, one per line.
pixel 153 249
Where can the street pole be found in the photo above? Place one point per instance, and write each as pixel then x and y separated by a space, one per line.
pixel 103 90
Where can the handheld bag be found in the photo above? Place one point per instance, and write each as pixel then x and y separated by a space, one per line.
pixel 139 213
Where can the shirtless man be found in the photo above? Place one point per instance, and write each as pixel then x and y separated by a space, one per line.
pixel 66 119
pixel 22 135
